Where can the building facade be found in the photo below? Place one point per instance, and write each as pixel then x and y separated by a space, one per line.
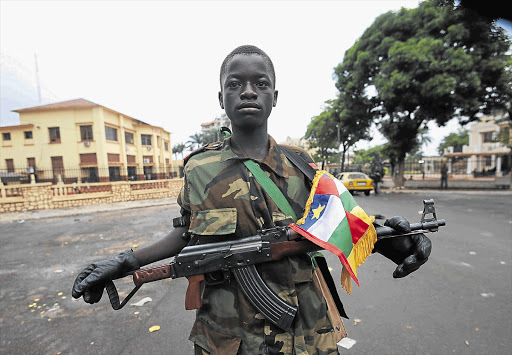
pixel 213 127
pixel 81 140
pixel 485 155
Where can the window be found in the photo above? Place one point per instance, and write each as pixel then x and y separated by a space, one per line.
pixel 90 174
pixel 130 159
pixel 110 133
pixel 148 173
pixel 57 167
pixel 86 133
pixel 54 134
pixel 487 137
pixel 28 134
pixel 6 136
pixel 10 165
pixel 488 161
pixel 128 137
pixel 113 158
pixel 31 165
pixel 132 173
pixel 166 146
pixel 146 139
pixel 88 159
pixel 114 173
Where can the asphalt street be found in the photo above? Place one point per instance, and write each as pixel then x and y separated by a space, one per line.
pixel 458 302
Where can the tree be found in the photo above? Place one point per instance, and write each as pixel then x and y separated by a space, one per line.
pixel 195 141
pixel 353 123
pixel 456 140
pixel 178 149
pixel 323 133
pixel 432 63
pixel 339 125
pixel 367 156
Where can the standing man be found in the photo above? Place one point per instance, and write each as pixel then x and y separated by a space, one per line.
pixel 221 200
pixel 444 177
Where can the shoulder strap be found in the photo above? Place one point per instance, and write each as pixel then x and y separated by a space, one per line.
pixel 299 162
pixel 204 148
pixel 270 188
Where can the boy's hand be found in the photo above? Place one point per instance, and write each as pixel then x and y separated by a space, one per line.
pixel 91 281
pixel 409 252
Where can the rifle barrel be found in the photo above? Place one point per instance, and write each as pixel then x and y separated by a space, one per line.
pixel 424 227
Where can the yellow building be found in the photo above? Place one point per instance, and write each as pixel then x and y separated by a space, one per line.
pixel 81 140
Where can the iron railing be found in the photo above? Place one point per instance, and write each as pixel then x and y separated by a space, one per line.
pixel 85 174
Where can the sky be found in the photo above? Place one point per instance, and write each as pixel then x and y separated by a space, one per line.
pixel 159 61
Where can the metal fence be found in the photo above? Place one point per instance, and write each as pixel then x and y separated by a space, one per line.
pixel 458 167
pixel 86 174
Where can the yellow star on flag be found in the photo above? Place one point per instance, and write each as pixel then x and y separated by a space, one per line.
pixel 317 211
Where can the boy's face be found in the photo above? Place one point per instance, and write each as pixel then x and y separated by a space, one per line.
pixel 247 91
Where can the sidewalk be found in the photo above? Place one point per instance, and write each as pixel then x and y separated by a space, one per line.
pixel 21 217
pixel 75 211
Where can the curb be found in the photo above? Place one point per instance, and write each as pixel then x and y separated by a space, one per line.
pixel 21 217
pixel 449 191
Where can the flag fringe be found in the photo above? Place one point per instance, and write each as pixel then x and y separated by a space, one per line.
pixel 316 179
pixel 346 280
pixel 362 249
pixel 364 246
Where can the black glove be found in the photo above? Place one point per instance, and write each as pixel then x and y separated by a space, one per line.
pixel 91 281
pixel 409 252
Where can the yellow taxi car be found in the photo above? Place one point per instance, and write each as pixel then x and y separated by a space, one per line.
pixel 356 182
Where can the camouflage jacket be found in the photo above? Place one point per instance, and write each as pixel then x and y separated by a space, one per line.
pixel 226 202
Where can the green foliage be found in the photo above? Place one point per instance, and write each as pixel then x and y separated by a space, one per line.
pixel 338 125
pixel 178 149
pixel 199 139
pixel 431 63
pixel 367 156
pixel 456 140
pixel 323 134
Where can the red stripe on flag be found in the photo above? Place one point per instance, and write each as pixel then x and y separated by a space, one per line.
pixel 357 226
pixel 326 186
pixel 326 246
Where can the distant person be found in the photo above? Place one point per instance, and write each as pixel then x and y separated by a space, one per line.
pixel 444 177
pixel 377 173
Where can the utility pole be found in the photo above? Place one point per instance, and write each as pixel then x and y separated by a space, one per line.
pixel 38 84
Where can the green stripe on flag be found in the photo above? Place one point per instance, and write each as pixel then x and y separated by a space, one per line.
pixel 342 237
pixel 348 201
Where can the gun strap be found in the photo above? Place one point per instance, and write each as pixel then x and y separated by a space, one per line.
pixel 270 188
pixel 299 162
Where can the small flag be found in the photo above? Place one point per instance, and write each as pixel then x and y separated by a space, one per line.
pixel 334 221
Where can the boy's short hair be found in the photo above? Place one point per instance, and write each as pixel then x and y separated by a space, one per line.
pixel 247 50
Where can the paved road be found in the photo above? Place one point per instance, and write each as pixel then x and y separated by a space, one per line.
pixel 459 302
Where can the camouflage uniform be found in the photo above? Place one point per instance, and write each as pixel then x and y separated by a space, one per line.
pixel 226 202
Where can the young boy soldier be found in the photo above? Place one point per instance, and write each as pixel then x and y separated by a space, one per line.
pixel 221 200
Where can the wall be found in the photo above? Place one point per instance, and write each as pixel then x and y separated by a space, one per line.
pixel 19 198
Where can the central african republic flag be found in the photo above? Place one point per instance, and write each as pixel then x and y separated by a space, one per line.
pixel 334 221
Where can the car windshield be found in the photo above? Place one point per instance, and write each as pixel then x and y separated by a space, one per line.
pixel 357 176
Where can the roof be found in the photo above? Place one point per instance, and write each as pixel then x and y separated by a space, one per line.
pixel 21 126
pixel 73 104
pixel 208 123
pixel 77 103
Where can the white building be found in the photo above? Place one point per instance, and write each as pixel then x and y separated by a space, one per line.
pixel 216 125
pixel 484 153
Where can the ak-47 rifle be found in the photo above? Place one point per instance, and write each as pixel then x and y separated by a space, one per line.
pixel 239 258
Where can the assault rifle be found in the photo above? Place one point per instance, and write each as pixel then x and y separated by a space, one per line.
pixel 239 258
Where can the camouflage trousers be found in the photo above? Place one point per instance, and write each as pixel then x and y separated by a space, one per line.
pixel 200 351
